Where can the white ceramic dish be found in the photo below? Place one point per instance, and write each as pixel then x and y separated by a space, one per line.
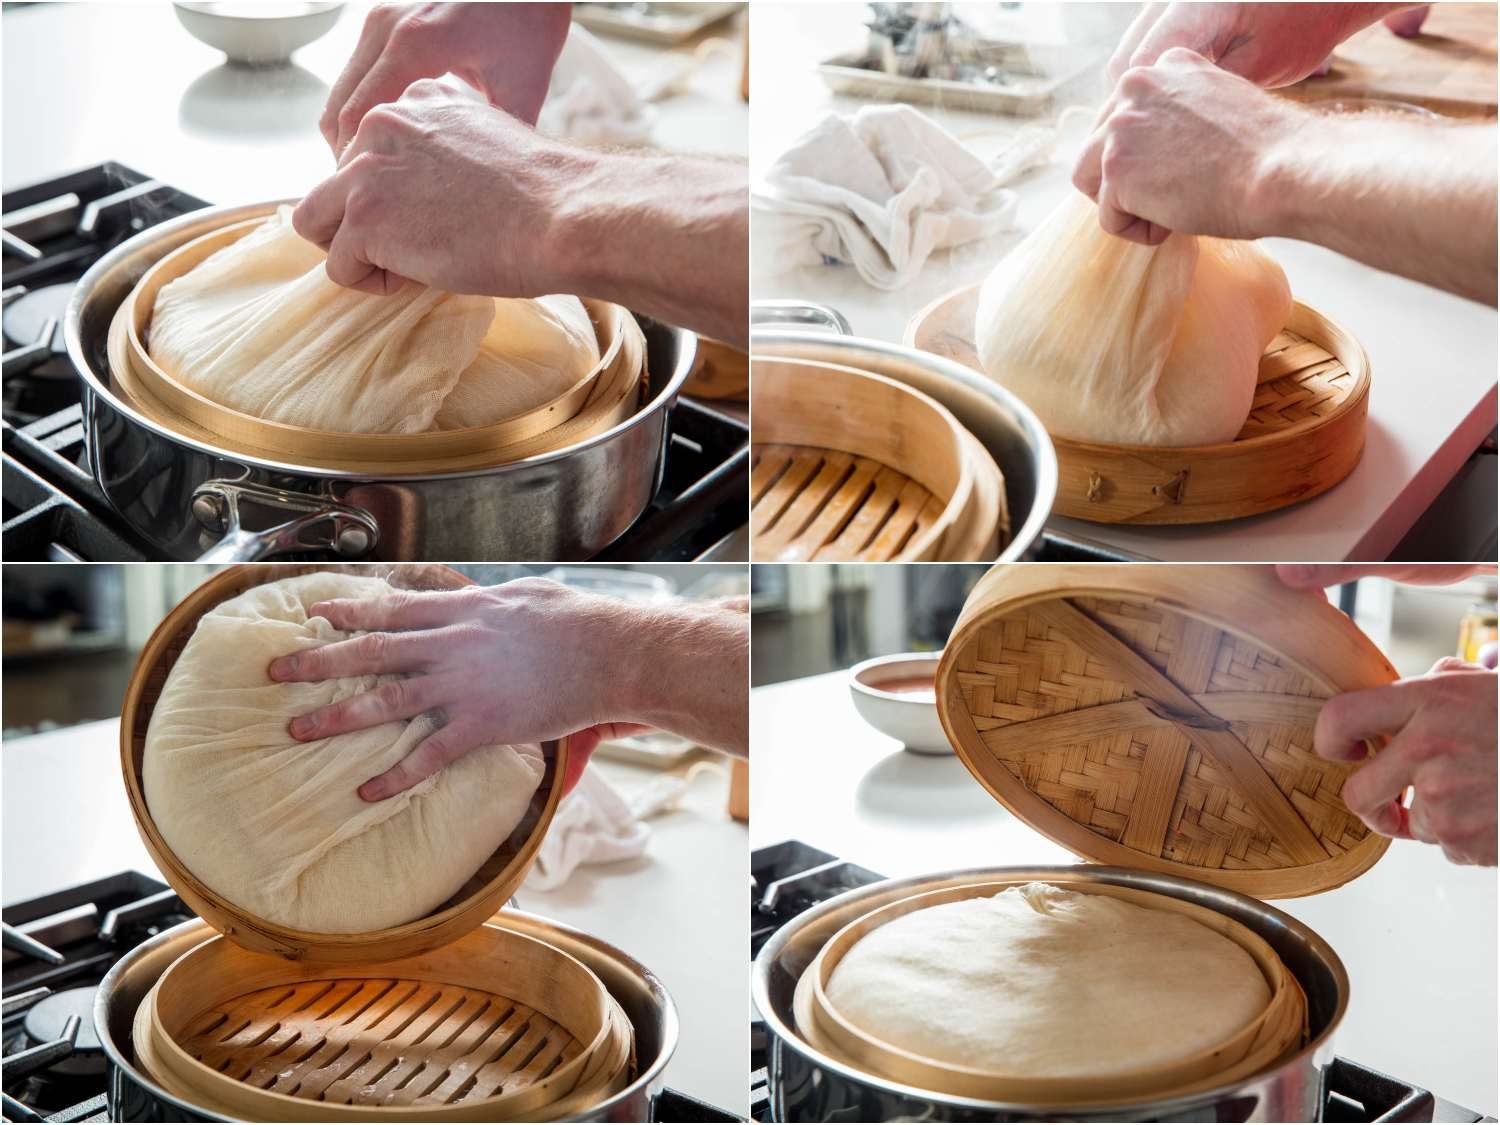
pixel 257 34
pixel 908 716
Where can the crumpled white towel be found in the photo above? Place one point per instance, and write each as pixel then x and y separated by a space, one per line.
pixel 590 101
pixel 881 189
pixel 593 824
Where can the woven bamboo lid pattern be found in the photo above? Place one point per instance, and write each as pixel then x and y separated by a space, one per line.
pixel 1162 718
pixel 470 907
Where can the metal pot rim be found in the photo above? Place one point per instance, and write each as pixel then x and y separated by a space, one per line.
pixel 1044 495
pixel 642 1081
pixel 88 283
pixel 764 961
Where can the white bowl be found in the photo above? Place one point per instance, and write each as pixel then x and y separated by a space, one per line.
pixel 908 716
pixel 257 34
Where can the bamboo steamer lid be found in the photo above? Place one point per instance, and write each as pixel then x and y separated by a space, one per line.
pixel 1305 432
pixel 485 892
pixel 1161 718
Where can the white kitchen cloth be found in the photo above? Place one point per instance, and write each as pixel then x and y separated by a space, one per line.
pixel 881 189
pixel 590 101
pixel 595 824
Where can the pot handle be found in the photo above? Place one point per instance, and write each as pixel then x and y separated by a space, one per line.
pixel 799 314
pixel 314 523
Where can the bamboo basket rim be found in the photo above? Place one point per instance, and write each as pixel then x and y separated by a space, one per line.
pixel 1229 589
pixel 932 540
pixel 465 911
pixel 603 1071
pixel 890 1059
pixel 613 400
pixel 182 401
pixel 1300 320
pixel 600 1069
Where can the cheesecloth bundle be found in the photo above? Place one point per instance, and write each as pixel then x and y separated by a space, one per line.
pixel 276 826
pixel 1048 983
pixel 1111 341
pixel 259 328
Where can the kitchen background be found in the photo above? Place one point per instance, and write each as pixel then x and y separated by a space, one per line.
pixel 1426 485
pixel 1416 933
pixel 71 634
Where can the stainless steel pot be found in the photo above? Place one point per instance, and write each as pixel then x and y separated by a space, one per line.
pixel 1004 425
pixel 134 1097
pixel 191 500
pixel 806 1085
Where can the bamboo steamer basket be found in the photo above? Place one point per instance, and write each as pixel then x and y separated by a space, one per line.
pixel 1269 1036
pixel 606 395
pixel 850 465
pixel 476 901
pixel 1305 432
pixel 495 1026
pixel 721 372
pixel 1152 718
pixel 1161 718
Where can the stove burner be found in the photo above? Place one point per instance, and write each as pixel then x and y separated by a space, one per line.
pixel 48 1018
pixel 26 317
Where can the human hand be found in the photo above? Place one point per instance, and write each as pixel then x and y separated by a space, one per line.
pixel 1441 731
pixel 506 51
pixel 1269 44
pixel 1317 576
pixel 1185 146
pixel 440 188
pixel 522 662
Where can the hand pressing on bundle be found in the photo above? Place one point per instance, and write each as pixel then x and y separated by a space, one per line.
pixel 1440 732
pixel 528 661
pixel 1184 145
pixel 441 188
pixel 505 51
pixel 1270 44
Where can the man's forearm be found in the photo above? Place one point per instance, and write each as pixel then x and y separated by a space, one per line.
pixel 1412 199
pixel 663 235
pixel 685 668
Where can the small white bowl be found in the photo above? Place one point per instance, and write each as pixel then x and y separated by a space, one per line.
pixel 909 716
pixel 257 34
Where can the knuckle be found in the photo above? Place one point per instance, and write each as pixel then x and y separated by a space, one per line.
pixel 382 120
pixel 410 28
pixel 373 646
pixel 1180 55
pixel 1137 80
pixel 394 695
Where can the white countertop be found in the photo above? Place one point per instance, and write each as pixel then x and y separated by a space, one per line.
pixel 679 909
pixel 1416 933
pixel 1433 355
pixel 87 82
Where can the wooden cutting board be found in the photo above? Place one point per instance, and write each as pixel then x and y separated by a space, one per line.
pixel 1449 68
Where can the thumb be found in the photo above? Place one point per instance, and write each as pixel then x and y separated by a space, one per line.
pixel 583 743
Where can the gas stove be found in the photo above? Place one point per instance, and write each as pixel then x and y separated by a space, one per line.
pixel 791 877
pixel 57 950
pixel 53 510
